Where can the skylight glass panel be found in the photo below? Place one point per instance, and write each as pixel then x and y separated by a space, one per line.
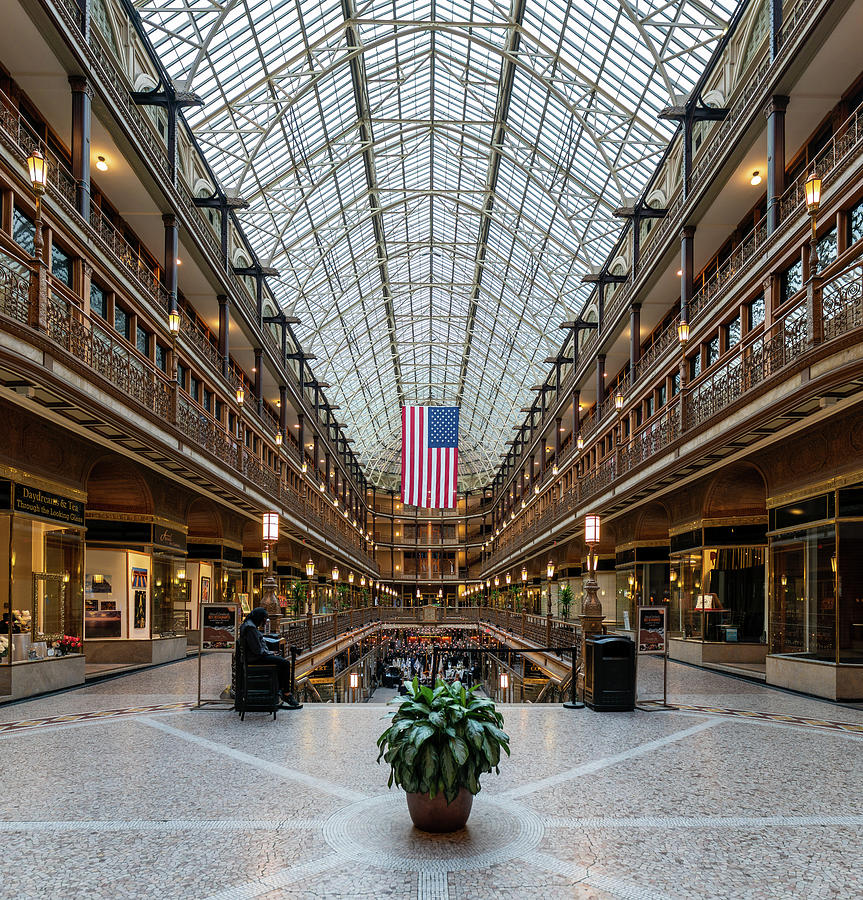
pixel 410 186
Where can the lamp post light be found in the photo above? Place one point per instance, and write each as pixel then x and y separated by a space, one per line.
pixel 37 167
pixel 618 401
pixel 241 395
pixel 813 201
pixel 269 537
pixel 351 589
pixel 549 571
pixel 592 608
pixel 310 574
pixel 683 333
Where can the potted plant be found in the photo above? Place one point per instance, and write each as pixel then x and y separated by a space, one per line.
pixel 564 600
pixel 438 744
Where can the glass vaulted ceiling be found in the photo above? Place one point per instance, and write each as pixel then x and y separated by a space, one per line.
pixel 432 179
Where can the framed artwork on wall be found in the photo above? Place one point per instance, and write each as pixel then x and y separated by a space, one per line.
pixel 205 589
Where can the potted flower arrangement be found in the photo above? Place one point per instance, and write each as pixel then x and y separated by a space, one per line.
pixel 438 744
pixel 68 644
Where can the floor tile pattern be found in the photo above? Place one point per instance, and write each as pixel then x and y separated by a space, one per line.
pixel 121 790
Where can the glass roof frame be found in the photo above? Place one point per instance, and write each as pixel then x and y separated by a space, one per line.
pixel 432 178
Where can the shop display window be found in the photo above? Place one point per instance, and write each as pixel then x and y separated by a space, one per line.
pixel 642 584
pixel 41 600
pixel 717 594
pixel 117 586
pixel 803 596
pixel 171 593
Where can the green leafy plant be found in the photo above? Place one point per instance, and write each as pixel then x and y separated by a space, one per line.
pixel 442 740
pixel 564 599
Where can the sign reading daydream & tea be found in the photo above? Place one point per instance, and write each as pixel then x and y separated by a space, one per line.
pixel 46 505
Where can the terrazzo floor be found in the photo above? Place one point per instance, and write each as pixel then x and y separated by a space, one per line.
pixel 744 792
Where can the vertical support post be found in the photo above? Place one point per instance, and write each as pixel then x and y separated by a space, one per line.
pixel 301 419
pixel 224 333
pixel 634 339
pixel 576 414
pixel 258 386
pixel 775 113
pixel 171 250
pixel 687 246
pixel 775 27
pixel 600 383
pixel 81 143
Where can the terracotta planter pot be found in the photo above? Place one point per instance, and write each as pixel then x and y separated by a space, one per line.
pixel 438 816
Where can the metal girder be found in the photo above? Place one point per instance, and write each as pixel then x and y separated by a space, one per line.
pixel 433 179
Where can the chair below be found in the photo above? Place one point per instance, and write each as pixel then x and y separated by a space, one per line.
pixel 257 690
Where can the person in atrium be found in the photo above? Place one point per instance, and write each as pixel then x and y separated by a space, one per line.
pixel 255 650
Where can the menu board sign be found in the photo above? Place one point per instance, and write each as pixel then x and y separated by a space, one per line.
pixel 219 623
pixel 652 632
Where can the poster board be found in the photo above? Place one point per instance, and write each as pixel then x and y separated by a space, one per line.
pixel 652 630
pixel 139 595
pixel 220 623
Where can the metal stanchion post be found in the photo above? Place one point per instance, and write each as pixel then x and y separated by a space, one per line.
pixel 574 703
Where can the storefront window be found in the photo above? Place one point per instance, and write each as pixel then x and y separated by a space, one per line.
pixel 41 600
pixel 802 592
pixel 850 583
pixel 171 591
pixel 718 594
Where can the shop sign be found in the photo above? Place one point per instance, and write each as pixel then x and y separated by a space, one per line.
pixel 45 505
pixel 652 634
pixel 219 623
pixel 169 537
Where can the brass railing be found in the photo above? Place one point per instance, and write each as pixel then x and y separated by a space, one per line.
pixel 310 631
pixel 106 356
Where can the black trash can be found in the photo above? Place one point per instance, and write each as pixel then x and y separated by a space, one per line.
pixel 609 670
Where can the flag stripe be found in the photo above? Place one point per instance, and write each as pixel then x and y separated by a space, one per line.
pixel 429 459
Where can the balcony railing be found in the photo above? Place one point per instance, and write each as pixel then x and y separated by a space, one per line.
pixel 748 368
pixel 719 139
pixel 308 632
pixel 102 355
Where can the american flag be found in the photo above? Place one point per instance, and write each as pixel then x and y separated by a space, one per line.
pixel 429 455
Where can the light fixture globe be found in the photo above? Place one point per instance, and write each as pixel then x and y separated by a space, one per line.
pixel 335 574
pixel 549 570
pixel 37 166
pixel 508 578
pixel 174 322
pixel 310 569
pixel 592 529
pixel 683 333
pixel 579 443
pixel 270 526
pixel 812 188
pixel 241 395
pixel 524 573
